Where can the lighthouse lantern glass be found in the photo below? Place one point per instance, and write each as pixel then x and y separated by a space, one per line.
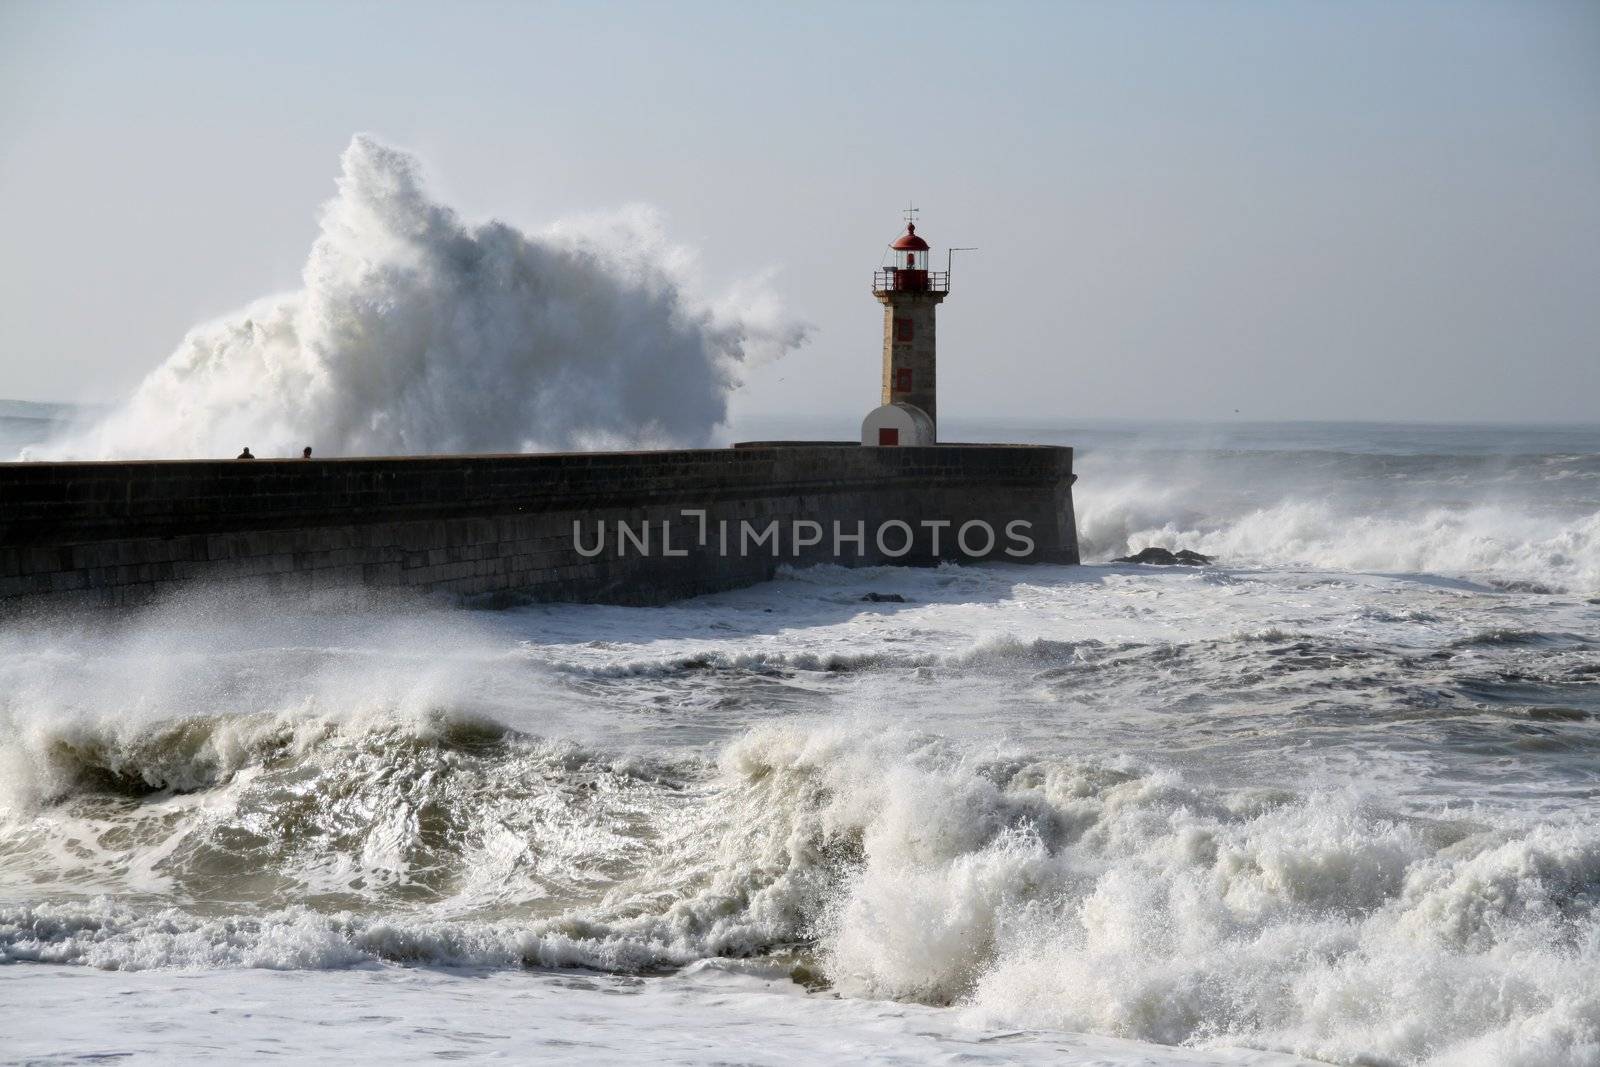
pixel 911 260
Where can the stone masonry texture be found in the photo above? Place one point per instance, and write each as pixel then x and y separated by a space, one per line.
pixel 919 354
pixel 491 527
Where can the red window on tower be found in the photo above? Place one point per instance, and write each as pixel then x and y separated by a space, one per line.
pixel 902 380
pixel 903 331
pixel 888 435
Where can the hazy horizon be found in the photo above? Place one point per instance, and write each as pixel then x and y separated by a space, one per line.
pixel 1228 212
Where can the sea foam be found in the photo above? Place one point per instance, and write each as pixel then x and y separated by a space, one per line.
pixel 1029 892
pixel 1255 511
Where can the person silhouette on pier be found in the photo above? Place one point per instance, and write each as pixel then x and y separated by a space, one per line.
pixel 246 454
pixel 305 453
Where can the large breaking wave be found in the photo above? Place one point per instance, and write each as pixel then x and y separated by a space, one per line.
pixel 415 332
pixel 1056 892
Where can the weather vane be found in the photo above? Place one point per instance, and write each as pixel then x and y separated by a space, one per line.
pixel 911 214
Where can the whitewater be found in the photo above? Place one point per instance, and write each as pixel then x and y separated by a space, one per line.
pixel 1312 803
pixel 1329 799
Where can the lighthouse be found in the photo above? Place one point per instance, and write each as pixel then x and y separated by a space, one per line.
pixel 910 293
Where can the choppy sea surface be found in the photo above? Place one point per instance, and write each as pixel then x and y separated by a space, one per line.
pixel 1333 798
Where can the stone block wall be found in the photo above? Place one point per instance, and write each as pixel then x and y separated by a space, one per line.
pixel 107 534
pixel 918 354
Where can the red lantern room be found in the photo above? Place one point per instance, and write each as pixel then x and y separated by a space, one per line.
pixel 911 251
pixel 905 267
pixel 908 260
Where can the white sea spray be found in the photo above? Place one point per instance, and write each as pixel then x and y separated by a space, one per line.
pixel 417 332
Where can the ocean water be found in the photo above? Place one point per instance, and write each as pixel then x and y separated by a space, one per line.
pixel 1333 798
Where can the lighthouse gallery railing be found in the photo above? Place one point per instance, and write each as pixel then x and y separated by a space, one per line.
pixel 900 280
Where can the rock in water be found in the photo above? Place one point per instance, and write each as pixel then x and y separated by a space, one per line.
pixel 1162 557
pixel 883 598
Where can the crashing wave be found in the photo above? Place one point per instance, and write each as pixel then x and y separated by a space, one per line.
pixel 1031 892
pixel 415 332
pixel 1281 523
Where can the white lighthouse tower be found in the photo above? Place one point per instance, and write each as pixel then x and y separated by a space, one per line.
pixel 909 293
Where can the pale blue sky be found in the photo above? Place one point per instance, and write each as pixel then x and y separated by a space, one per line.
pixel 1295 209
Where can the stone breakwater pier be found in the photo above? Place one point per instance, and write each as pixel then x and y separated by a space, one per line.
pixel 613 527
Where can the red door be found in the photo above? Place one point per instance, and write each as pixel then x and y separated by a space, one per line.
pixel 888 435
